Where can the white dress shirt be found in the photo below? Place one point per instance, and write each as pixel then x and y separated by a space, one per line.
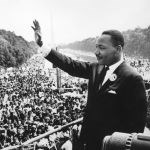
pixel 112 68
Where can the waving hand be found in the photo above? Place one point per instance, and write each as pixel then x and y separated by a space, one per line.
pixel 37 32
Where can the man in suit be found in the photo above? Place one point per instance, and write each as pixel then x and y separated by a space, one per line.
pixel 116 96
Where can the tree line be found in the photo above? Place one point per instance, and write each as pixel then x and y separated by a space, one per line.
pixel 137 43
pixel 14 50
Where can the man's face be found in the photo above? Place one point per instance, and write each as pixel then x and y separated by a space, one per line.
pixel 106 52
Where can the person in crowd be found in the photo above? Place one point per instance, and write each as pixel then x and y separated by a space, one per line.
pixel 116 93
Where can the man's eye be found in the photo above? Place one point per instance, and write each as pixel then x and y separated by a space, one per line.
pixel 100 47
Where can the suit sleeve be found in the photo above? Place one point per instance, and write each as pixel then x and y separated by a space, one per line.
pixel 72 67
pixel 135 105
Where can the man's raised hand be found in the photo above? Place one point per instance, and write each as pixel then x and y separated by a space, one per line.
pixel 37 32
pixel 38 39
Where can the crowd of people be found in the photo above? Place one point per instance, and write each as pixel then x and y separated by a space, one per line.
pixel 143 67
pixel 30 103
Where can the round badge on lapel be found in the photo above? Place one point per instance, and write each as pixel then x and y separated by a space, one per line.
pixel 113 77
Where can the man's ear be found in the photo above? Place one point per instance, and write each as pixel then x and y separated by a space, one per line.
pixel 119 48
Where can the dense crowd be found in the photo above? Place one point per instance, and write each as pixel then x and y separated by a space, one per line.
pixel 30 103
pixel 141 65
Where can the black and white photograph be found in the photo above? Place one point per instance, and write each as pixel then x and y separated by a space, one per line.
pixel 74 74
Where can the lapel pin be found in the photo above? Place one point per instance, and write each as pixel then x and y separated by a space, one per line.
pixel 113 77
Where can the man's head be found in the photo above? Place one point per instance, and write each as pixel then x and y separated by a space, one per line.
pixel 109 47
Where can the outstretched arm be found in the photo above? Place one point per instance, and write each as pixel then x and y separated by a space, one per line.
pixel 75 68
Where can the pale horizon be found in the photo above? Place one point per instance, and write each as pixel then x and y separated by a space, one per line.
pixel 65 21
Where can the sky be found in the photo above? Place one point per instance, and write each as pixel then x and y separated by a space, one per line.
pixel 65 21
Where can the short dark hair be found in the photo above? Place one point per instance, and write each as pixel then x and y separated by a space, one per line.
pixel 116 37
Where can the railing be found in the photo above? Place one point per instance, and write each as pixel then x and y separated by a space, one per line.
pixel 43 135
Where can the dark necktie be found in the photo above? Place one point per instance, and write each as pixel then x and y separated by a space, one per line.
pixel 102 76
pixel 104 71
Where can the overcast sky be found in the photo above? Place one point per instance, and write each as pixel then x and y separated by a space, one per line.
pixel 64 21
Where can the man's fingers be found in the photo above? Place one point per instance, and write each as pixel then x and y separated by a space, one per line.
pixel 34 22
pixel 33 28
pixel 36 25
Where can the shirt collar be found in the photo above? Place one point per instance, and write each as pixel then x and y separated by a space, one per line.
pixel 114 66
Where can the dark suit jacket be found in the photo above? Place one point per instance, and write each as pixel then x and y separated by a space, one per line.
pixel 124 110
